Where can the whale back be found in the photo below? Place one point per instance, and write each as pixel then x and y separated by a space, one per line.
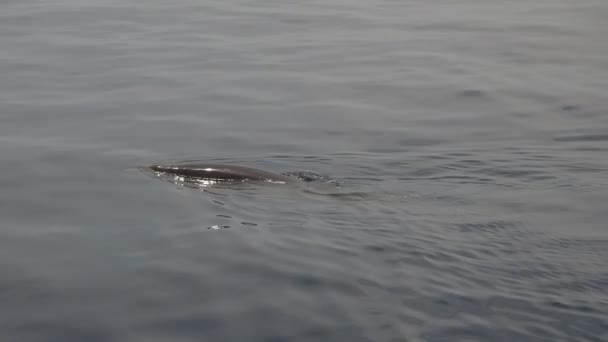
pixel 218 172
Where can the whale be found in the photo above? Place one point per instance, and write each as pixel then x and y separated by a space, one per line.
pixel 219 172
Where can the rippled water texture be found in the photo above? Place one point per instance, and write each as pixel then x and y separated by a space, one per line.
pixel 468 142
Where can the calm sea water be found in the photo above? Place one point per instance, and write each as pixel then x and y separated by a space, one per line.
pixel 469 138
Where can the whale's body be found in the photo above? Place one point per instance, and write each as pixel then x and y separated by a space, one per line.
pixel 219 172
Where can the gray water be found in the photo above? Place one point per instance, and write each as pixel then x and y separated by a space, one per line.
pixel 469 140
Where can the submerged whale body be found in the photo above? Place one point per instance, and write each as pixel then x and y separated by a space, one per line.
pixel 219 172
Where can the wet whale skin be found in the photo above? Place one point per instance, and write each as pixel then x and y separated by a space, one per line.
pixel 219 172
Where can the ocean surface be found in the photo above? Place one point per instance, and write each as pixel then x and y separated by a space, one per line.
pixel 466 141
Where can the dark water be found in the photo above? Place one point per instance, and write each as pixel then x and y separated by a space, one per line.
pixel 470 139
